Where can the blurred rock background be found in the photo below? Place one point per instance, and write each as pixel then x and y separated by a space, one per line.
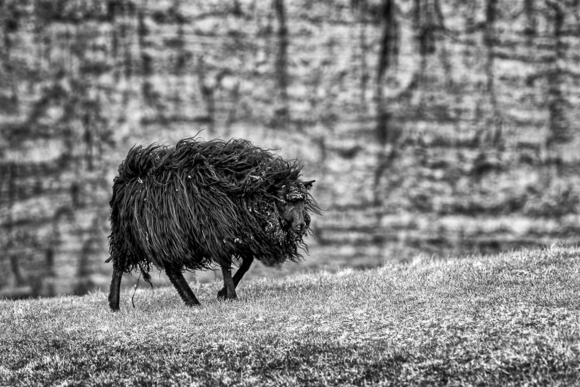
pixel 431 126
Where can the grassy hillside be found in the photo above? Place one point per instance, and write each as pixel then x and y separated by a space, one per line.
pixel 495 320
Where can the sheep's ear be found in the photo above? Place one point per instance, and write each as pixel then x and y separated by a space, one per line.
pixel 308 184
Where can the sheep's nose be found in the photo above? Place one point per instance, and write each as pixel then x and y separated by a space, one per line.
pixel 300 227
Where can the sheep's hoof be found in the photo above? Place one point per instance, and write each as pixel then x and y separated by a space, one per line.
pixel 114 304
pixel 222 295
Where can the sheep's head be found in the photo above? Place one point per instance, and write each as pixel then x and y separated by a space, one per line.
pixel 291 207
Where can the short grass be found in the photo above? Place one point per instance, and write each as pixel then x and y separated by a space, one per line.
pixel 510 319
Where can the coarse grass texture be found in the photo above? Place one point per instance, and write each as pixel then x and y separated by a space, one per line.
pixel 509 319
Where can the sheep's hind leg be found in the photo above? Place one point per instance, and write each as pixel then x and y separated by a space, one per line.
pixel 182 287
pixel 229 286
pixel 244 267
pixel 115 289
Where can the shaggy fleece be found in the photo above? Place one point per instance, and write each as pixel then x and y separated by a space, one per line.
pixel 201 204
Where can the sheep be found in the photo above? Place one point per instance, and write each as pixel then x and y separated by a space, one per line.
pixel 203 204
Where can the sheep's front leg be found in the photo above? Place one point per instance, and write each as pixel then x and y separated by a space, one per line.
pixel 176 278
pixel 115 289
pixel 229 286
pixel 245 266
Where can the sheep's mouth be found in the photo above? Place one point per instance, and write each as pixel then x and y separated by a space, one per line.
pixel 295 235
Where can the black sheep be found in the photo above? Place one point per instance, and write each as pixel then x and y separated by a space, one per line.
pixel 205 203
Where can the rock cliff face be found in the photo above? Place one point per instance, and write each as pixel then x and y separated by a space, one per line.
pixel 475 125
